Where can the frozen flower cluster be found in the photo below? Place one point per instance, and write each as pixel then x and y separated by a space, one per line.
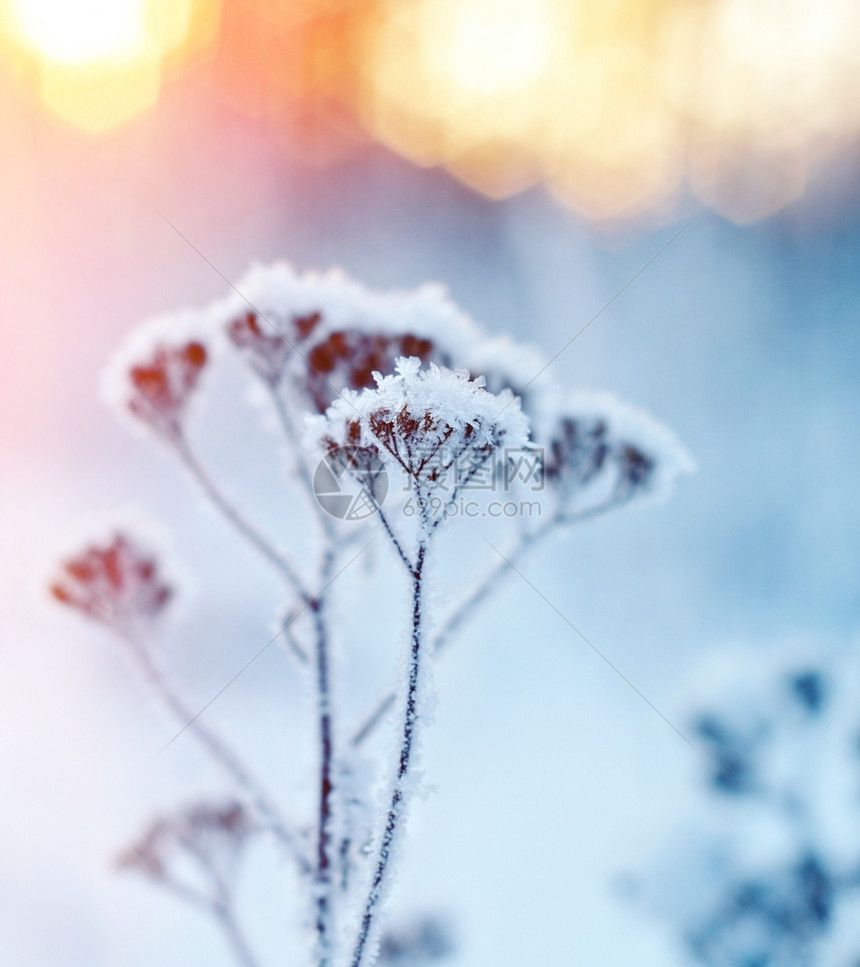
pixel 595 443
pixel 156 375
pixel 424 422
pixel 319 337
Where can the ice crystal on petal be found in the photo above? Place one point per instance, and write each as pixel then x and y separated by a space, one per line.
pixel 117 582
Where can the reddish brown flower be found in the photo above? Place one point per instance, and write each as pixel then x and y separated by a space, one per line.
pixel 161 386
pixel 117 583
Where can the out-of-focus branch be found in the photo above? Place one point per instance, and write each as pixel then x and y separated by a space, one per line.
pixel 239 522
pixel 217 749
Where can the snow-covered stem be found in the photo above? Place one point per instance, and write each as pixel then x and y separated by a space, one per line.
pixel 235 517
pixel 482 591
pixel 396 809
pixel 395 541
pixel 323 899
pixel 217 748
pixel 323 867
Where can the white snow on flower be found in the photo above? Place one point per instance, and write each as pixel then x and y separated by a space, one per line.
pixel 279 293
pixel 626 426
pixel 449 398
pixel 168 332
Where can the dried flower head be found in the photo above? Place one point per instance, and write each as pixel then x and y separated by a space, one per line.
pixel 424 421
pixel 155 375
pixel 117 583
pixel 266 347
pixel 594 440
pixel 212 836
pixel 348 358
pixel 328 333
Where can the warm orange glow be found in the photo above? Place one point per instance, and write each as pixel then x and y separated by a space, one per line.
pixel 95 99
pixel 616 106
pixel 100 62
pixel 83 31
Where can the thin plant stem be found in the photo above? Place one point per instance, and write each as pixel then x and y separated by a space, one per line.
pixel 292 438
pixel 396 808
pixel 218 749
pixel 485 589
pixel 389 530
pixel 253 536
pixel 292 640
pixel 323 864
pixel 224 914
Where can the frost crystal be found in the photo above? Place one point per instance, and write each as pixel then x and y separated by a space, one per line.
pixel 117 583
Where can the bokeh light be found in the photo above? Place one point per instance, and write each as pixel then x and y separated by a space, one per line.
pixel 618 108
pixel 98 63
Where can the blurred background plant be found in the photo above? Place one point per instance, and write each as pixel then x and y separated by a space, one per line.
pixel 769 871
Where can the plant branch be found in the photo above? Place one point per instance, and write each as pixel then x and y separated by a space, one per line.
pixel 218 749
pixel 396 809
pixel 395 541
pixel 487 586
pixel 223 912
pixel 323 866
pixel 240 523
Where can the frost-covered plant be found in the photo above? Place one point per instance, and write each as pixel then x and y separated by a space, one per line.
pixel 770 875
pixel 376 388
pixel 194 855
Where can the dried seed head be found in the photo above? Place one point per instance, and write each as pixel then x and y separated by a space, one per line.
pixel 266 344
pixel 592 441
pixel 424 421
pixel 117 583
pixel 213 836
pixel 157 373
